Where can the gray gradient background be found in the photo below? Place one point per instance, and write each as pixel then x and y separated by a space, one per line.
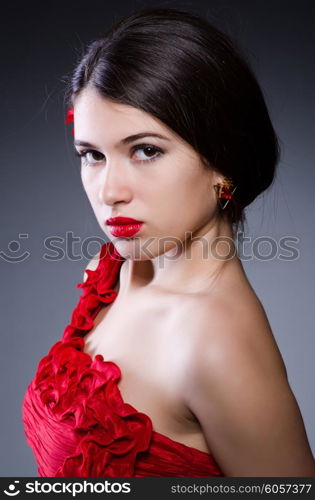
pixel 42 195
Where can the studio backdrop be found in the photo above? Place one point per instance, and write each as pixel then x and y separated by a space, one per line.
pixel 43 200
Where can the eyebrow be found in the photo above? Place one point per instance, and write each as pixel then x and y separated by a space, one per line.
pixel 127 140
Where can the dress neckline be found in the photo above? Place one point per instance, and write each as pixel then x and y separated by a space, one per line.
pixel 99 292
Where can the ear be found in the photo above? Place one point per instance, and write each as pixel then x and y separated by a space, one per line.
pixel 216 178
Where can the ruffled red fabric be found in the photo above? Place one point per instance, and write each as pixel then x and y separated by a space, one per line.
pixel 75 419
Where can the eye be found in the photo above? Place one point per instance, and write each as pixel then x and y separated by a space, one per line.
pixel 151 152
pixel 87 155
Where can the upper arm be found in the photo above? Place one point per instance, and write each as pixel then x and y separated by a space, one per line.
pixel 92 265
pixel 250 418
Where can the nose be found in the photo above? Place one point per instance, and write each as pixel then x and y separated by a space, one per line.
pixel 114 186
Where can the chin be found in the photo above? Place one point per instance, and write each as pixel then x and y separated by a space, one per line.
pixel 139 248
pixel 130 248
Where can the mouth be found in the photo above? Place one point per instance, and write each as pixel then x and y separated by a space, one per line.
pixel 117 221
pixel 123 226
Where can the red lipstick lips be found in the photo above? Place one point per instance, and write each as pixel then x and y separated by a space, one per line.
pixel 123 226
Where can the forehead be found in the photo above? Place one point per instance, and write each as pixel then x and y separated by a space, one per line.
pixel 94 114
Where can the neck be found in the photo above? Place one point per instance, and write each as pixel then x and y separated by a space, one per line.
pixel 193 267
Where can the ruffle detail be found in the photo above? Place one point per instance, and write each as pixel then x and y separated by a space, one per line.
pixel 81 397
pixel 74 416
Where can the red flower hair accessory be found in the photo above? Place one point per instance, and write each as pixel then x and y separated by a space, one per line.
pixel 70 118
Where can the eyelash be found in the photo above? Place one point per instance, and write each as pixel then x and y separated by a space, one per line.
pixel 84 152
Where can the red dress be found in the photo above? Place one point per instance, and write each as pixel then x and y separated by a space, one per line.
pixel 74 417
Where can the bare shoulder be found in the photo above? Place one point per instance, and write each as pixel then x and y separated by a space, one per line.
pixel 227 322
pixel 234 325
pixel 238 390
pixel 92 265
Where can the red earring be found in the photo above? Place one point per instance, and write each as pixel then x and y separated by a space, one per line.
pixel 70 118
pixel 224 191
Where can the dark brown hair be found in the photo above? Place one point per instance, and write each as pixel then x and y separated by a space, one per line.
pixel 188 74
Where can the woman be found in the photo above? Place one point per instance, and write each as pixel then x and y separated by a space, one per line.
pixel 169 366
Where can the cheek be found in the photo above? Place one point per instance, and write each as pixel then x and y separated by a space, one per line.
pixel 182 195
pixel 199 193
pixel 88 180
pixel 189 204
pixel 84 180
pixel 188 194
pixel 90 189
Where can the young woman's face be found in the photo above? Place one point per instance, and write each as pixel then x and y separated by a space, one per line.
pixel 157 180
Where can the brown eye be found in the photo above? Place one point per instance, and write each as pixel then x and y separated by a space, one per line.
pixel 149 152
pixel 90 157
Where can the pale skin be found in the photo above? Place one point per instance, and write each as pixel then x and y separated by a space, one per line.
pixel 193 342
